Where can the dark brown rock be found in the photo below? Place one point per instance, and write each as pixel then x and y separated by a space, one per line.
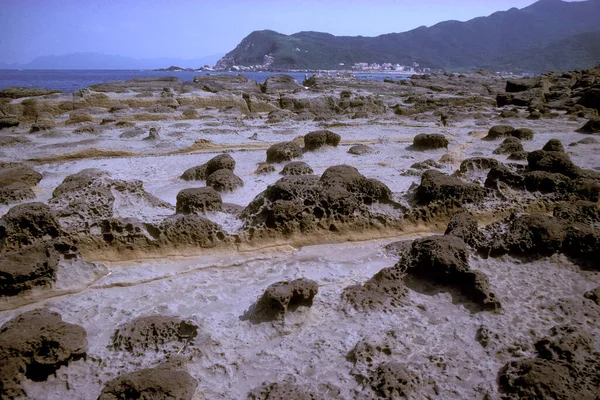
pixel 191 230
pixel 24 174
pixel 153 333
pixel 198 200
pixel 464 226
pixel 297 168
pixel 360 149
pixel 280 84
pixel 552 161
pixel 586 212
pixel 151 384
pixel 222 161
pixel 554 145
pixel 16 192
pixel 283 297
pixel 437 186
pixel 425 141
pixel 384 292
pixel 443 260
pixel 28 267
pixel 224 180
pixel 8 121
pixel 316 139
pixel 508 146
pixel 197 173
pixel 27 224
pixel 523 134
pixel 499 131
pixel 34 345
pixel 285 151
pixel 592 126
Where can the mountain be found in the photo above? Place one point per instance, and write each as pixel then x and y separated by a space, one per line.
pixel 106 61
pixel 482 41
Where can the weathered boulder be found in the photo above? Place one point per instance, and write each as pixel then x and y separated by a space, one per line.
pixel 222 161
pixel 501 173
pixel 499 131
pixel 153 333
pixel 464 226
pixel 283 297
pixel 473 165
pixel 553 162
pixel 185 230
pixel 586 212
pixel 285 151
pixel 151 384
pixel 8 121
pixel 27 224
pixel 554 145
pixel 349 178
pixel 22 174
pixel 224 180
pixel 532 236
pixel 282 391
pixel 523 134
pixel 27 267
pixel 427 141
pixel 521 85
pixel 427 164
pixel 297 168
pixel 197 173
pixel 437 186
pixel 509 145
pixel 280 84
pixel 384 292
pixel 316 139
pixel 443 260
pixel 591 98
pixel 518 156
pixel 592 126
pixel 360 149
pixel 16 192
pixel 34 345
pixel 198 200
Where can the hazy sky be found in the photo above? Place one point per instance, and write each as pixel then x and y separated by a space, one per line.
pixel 190 29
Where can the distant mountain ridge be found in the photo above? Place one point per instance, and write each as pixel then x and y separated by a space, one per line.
pixel 481 42
pixel 108 61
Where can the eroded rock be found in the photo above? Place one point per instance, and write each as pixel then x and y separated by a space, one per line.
pixel 198 200
pixel 297 168
pixel 428 141
pixel 151 383
pixel 283 297
pixel 317 139
pixel 285 151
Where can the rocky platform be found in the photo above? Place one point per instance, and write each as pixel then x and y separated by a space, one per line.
pixel 429 238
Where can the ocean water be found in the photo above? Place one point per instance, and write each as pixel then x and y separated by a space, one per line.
pixel 72 80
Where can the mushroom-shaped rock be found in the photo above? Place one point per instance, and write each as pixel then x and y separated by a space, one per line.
pixel 509 145
pixel 28 267
pixel 198 200
pixel 349 178
pixel 153 333
pixel 523 134
pixel 437 186
pixel 554 145
pixel 282 391
pixel 360 149
pixel 279 84
pixel 282 297
pixel 499 131
pixel 592 126
pixel 34 345
pixel 285 151
pixel 224 180
pixel 427 141
pixel 15 192
pixel 442 260
pixel 297 168
pixel 26 224
pixel 316 139
pixel 222 161
pixel 384 292
pixel 23 174
pixel 151 383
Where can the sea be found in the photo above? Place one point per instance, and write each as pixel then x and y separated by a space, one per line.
pixel 73 80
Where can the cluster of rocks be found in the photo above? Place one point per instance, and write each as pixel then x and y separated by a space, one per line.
pixel 217 172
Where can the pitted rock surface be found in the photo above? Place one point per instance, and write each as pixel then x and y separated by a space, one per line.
pixel 317 139
pixel 385 292
pixel 27 224
pixel 428 141
pixel 151 384
pixel 283 297
pixel 34 345
pixel 282 391
pixel 27 267
pixel 297 168
pixel 285 151
pixel 224 180
pixel 198 200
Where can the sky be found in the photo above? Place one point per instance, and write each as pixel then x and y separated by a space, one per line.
pixel 189 29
